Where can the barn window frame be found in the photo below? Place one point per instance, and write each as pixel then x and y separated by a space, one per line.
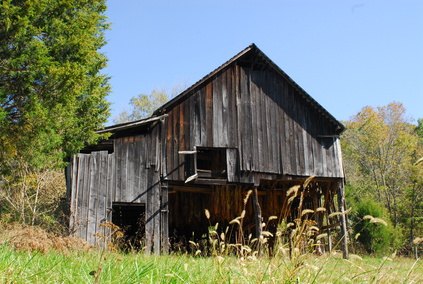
pixel 205 163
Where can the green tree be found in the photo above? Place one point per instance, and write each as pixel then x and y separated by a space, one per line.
pixel 52 98
pixel 143 106
pixel 52 93
pixel 378 146
pixel 380 149
pixel 373 229
pixel 419 129
pixel 415 194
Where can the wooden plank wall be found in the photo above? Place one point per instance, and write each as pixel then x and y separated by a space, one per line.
pixel 129 175
pixel 137 172
pixel 258 113
pixel 91 191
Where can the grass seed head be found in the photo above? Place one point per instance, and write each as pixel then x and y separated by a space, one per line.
pixel 272 218
pixel 306 211
pixel 207 213
pixel 418 241
pixel 378 221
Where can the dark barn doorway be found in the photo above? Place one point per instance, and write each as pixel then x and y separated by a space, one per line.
pixel 130 218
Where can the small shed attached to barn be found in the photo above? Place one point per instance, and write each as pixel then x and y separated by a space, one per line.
pixel 245 126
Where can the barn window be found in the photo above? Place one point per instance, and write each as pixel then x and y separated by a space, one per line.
pixel 327 140
pixel 211 163
pixel 205 163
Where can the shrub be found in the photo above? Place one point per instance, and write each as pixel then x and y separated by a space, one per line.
pixel 34 198
pixel 373 230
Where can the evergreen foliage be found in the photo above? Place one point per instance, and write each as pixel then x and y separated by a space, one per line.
pixel 52 100
pixel 52 93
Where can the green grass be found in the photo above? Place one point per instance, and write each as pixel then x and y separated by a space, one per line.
pixel 93 266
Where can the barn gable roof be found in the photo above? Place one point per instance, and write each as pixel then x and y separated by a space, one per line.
pixel 252 52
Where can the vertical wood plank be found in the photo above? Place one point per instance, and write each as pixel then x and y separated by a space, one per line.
pixel 231 111
pixel 339 155
pixel 246 134
pixel 149 226
pixel 256 150
pixel 131 171
pixel 118 171
pixel 175 143
pixel 267 137
pixel 85 192
pixel 92 199
pixel 101 216
pixel 74 195
pixel 203 120
pixel 217 111
pixel 231 162
pixel 197 122
pixel 156 211
pixel 209 114
pixel 239 116
pixel 181 137
pixel 225 111
pixel 169 146
pixel 110 189
pixel 164 221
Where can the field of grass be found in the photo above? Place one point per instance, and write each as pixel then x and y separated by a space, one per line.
pixel 97 267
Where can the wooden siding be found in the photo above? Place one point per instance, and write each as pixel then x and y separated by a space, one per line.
pixel 137 173
pixel 91 195
pixel 137 166
pixel 259 114
pixel 129 175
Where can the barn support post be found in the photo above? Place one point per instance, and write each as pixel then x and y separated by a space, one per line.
pixel 328 201
pixel 257 218
pixel 164 191
pixel 164 220
pixel 344 232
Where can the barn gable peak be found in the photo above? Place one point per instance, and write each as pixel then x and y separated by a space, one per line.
pixel 250 55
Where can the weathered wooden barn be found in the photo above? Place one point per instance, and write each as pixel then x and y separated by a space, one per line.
pixel 245 126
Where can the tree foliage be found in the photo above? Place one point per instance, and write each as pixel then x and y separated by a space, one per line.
pixel 381 148
pixel 52 94
pixel 373 232
pixel 379 145
pixel 143 106
pixel 52 99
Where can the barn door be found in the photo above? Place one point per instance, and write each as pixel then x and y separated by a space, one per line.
pixel 90 196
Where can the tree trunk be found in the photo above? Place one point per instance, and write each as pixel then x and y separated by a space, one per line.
pixel 413 204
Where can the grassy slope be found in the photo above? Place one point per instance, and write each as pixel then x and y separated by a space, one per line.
pixel 80 267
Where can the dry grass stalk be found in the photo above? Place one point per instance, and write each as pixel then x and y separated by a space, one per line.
pixel 32 238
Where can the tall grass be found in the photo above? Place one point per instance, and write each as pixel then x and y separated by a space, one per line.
pixel 291 258
pixel 81 267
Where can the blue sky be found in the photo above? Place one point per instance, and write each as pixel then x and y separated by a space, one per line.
pixel 345 54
